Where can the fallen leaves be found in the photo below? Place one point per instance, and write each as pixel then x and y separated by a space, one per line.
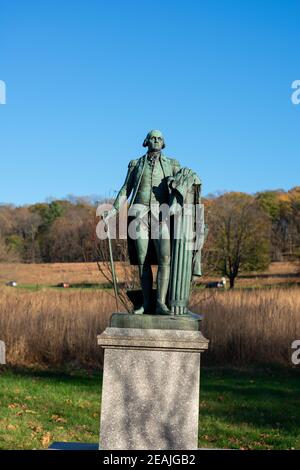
pixel 209 438
pixel 12 406
pixel 12 427
pixel 84 404
pixel 36 428
pixel 58 419
pixel 46 439
pixel 20 408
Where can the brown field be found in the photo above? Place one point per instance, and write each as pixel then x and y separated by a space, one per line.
pixel 78 273
pixel 50 274
pixel 59 327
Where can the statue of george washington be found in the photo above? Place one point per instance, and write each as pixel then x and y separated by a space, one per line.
pixel 156 184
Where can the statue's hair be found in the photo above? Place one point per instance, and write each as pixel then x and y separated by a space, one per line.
pixel 145 143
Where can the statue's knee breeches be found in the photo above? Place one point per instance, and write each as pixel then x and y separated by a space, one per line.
pixel 164 260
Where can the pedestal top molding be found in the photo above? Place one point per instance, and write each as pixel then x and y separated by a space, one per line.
pixel 137 338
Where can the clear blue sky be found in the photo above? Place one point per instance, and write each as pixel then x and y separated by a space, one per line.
pixel 87 79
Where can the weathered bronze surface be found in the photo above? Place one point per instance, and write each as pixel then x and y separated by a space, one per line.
pixel 155 180
pixel 189 322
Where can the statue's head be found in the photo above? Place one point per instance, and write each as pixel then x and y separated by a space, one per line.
pixel 154 141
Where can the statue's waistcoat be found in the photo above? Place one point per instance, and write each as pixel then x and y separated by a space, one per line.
pixel 152 187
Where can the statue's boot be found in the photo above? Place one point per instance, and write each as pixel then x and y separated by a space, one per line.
pixel 146 285
pixel 162 309
pixel 163 276
pixel 139 311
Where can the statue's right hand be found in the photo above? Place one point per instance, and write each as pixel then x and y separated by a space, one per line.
pixel 105 216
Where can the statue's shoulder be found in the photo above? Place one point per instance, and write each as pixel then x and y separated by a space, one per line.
pixel 173 161
pixel 133 163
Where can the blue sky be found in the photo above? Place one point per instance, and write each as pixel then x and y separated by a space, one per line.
pixel 87 79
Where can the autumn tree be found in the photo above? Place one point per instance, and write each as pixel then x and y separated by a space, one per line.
pixel 25 234
pixel 283 207
pixel 6 219
pixel 70 237
pixel 239 235
pixel 9 252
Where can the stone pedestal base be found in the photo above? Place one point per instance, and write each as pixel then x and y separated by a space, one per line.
pixel 150 394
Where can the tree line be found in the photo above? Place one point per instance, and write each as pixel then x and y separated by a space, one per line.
pixel 245 233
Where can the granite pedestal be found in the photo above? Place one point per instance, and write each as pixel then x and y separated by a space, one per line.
pixel 151 380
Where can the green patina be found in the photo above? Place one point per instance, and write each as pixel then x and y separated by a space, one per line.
pixel 152 181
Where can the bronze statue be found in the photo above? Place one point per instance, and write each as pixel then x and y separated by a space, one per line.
pixel 160 228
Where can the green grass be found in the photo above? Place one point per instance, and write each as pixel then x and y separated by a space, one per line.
pixel 257 409
pixel 38 408
pixel 250 409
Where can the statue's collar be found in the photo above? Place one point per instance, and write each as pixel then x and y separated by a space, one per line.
pixel 162 157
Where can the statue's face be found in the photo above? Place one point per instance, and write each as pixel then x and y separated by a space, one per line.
pixel 155 142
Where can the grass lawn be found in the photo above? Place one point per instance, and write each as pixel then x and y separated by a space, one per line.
pixel 258 409
pixel 39 407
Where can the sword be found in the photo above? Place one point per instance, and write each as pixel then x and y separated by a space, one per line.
pixel 112 263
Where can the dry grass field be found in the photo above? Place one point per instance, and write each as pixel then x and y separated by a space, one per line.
pixel 79 273
pixel 58 327
pixel 50 274
pixel 250 327
pixel 52 327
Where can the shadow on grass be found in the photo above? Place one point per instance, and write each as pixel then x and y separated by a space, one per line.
pixel 263 399
pixel 81 285
pixel 79 377
pixel 91 285
pixel 268 399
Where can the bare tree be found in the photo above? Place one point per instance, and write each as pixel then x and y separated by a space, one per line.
pixel 7 254
pixel 26 225
pixel 127 275
pixel 239 232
